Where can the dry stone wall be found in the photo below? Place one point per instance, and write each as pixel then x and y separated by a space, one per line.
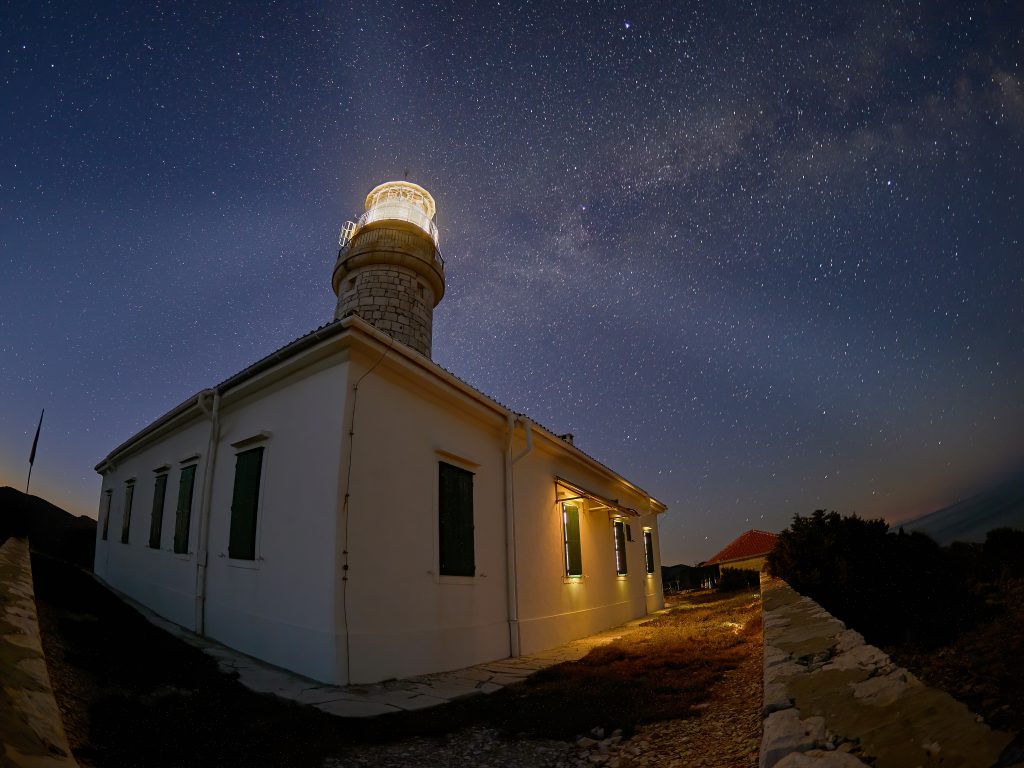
pixel 31 730
pixel 833 701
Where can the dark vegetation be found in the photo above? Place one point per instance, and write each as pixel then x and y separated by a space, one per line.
pixel 679 578
pixel 132 695
pixel 733 579
pixel 48 528
pixel 953 615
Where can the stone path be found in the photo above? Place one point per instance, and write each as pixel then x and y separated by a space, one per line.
pixel 31 730
pixel 393 695
pixel 832 700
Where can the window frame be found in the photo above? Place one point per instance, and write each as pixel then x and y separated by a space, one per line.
pixel 455 533
pixel 108 499
pixel 649 551
pixel 619 538
pixel 156 515
pixel 180 545
pixel 126 511
pixel 567 542
pixel 250 555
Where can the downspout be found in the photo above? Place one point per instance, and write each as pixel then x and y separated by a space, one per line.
pixel 202 555
pixel 510 529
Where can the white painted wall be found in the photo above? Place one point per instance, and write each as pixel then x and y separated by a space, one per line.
pixel 553 608
pixel 403 617
pixel 159 579
pixel 390 614
pixel 280 606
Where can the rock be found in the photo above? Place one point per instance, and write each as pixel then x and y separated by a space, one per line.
pixel 817 758
pixel 776 698
pixel 863 656
pixel 782 671
pixel 585 742
pixel 785 732
pixel 773 656
pixel 884 689
pixel 598 759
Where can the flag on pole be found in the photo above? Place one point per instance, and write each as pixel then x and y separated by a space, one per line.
pixel 35 440
pixel 32 455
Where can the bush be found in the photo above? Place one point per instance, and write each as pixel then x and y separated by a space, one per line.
pixel 892 588
pixel 1004 552
pixel 734 579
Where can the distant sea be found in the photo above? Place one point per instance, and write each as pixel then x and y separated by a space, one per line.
pixel 970 519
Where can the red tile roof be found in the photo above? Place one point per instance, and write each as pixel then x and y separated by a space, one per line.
pixel 750 544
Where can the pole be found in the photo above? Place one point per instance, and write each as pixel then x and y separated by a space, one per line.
pixel 32 453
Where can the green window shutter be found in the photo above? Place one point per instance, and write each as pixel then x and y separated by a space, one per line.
pixel 244 502
pixel 106 514
pixel 156 522
pixel 649 550
pixel 455 521
pixel 183 514
pixel 126 518
pixel 573 554
pixel 620 547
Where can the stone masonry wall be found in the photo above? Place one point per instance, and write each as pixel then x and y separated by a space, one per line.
pixel 31 730
pixel 833 701
pixel 392 299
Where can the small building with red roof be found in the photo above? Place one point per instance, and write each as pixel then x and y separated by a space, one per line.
pixel 746 552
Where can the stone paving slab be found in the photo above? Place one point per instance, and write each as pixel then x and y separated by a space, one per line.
pixel 833 700
pixel 30 722
pixel 420 692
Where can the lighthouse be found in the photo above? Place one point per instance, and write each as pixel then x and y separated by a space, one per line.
pixel 389 270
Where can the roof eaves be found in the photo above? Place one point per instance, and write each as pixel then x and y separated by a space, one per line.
pixel 289 350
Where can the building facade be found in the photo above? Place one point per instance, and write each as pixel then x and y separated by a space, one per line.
pixel 347 509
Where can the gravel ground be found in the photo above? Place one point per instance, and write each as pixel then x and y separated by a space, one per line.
pixel 132 695
pixel 726 735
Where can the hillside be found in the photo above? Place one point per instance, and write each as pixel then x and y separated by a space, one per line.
pixel 49 528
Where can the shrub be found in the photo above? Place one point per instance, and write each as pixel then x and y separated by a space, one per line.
pixel 1004 552
pixel 734 579
pixel 892 588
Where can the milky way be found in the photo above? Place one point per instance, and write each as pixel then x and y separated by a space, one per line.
pixel 758 260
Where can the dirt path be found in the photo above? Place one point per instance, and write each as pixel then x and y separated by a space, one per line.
pixel 132 695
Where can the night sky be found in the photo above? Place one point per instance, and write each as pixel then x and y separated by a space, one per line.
pixel 759 259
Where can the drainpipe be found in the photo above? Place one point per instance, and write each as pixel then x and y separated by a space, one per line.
pixel 202 555
pixel 510 528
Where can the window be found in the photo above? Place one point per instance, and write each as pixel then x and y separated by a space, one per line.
pixel 629 533
pixel 244 503
pixel 571 534
pixel 183 513
pixel 126 518
pixel 156 521
pixel 649 549
pixel 455 521
pixel 109 495
pixel 619 529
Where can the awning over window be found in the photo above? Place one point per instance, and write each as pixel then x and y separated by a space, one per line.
pixel 566 490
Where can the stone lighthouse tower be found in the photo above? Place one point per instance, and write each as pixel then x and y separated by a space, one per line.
pixel 389 271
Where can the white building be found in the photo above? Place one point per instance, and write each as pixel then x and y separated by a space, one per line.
pixel 349 510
